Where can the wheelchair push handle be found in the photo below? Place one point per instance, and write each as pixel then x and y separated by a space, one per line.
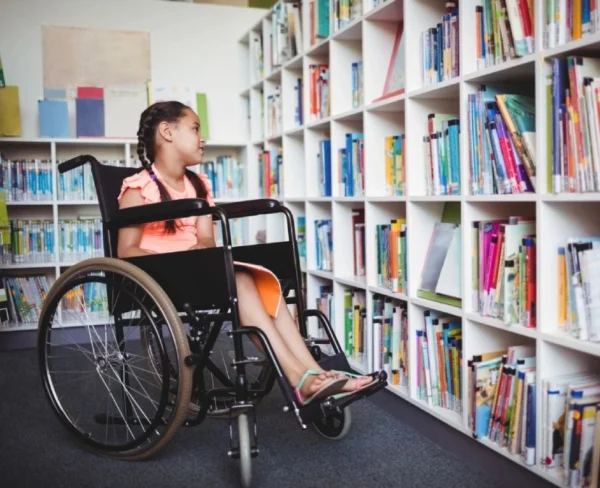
pixel 76 162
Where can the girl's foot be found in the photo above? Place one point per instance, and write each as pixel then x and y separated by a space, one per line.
pixel 315 384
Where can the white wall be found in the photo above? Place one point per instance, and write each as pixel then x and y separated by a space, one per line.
pixel 187 42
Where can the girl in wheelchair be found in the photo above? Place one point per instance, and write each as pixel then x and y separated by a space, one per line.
pixel 169 141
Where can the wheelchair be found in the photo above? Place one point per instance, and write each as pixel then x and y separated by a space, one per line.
pixel 130 350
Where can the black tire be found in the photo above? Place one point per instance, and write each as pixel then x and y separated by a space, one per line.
pixel 155 441
pixel 335 426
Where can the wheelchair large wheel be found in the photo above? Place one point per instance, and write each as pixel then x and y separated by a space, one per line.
pixel 334 426
pixel 94 369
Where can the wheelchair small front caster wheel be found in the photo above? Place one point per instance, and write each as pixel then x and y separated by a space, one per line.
pixel 245 451
pixel 336 425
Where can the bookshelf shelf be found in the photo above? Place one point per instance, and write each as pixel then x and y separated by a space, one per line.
pixel 369 36
pixel 499 324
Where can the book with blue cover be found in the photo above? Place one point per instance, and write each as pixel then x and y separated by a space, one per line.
pixel 90 117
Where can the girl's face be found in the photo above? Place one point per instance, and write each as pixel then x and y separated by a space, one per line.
pixel 187 141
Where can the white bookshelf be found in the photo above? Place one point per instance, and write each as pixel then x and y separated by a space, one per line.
pixel 57 150
pixel 369 38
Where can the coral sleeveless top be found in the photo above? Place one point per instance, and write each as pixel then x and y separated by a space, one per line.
pixel 154 239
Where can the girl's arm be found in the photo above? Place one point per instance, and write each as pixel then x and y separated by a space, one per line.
pixel 130 237
pixel 205 233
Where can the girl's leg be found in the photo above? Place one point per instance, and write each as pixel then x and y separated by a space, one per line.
pixel 252 312
pixel 288 329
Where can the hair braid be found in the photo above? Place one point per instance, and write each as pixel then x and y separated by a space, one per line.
pixel 149 120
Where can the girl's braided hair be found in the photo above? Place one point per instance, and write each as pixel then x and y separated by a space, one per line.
pixel 170 111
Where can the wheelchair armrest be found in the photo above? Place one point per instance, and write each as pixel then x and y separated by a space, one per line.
pixel 156 212
pixel 248 208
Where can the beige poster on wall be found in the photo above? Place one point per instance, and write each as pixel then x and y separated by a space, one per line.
pixel 75 56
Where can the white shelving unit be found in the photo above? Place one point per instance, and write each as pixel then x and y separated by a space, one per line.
pixel 370 38
pixel 57 150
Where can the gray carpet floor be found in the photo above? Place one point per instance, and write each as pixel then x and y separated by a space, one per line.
pixel 380 450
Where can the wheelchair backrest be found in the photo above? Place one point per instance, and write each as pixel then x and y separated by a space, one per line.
pixel 108 181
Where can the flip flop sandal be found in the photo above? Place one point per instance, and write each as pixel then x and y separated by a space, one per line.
pixel 359 385
pixel 328 389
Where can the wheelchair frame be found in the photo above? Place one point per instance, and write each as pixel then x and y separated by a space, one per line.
pixel 203 344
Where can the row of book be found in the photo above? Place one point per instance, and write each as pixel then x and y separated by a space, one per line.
pixel 274 119
pixel 78 184
pixel 505 30
pixel 226 176
pixel 343 12
pixel 26 179
pixel 579 288
pixel 570 20
pixel 24 298
pixel 285 38
pixel 357 84
pixel 35 241
pixel 501 142
pixel 319 93
pixel 502 400
pixel 440 48
pixel 392 260
pixel 439 359
pixel 573 138
pixel 390 340
pixel 395 165
pixel 441 151
pixel 270 172
pixel 570 426
pixel 503 254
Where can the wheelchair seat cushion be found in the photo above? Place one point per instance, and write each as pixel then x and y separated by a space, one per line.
pixel 154 239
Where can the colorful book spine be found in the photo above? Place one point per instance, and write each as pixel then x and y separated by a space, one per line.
pixel 574 93
pixel 319 99
pixel 505 31
pixel 357 84
pixel 392 261
pixel 78 184
pixel 324 167
pixel 270 173
pixel 351 166
pixel 390 343
pixel 440 48
pixel 395 165
pixel 344 12
pixel 274 113
pixel 441 150
pixel 504 270
pixel 578 267
pixel 439 345
pixel 355 324
pixel 501 143
pixel 26 180
pixel 226 175
pixel 358 242
pixel 324 244
pixel 570 20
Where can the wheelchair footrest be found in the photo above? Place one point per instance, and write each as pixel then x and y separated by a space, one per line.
pixel 328 405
